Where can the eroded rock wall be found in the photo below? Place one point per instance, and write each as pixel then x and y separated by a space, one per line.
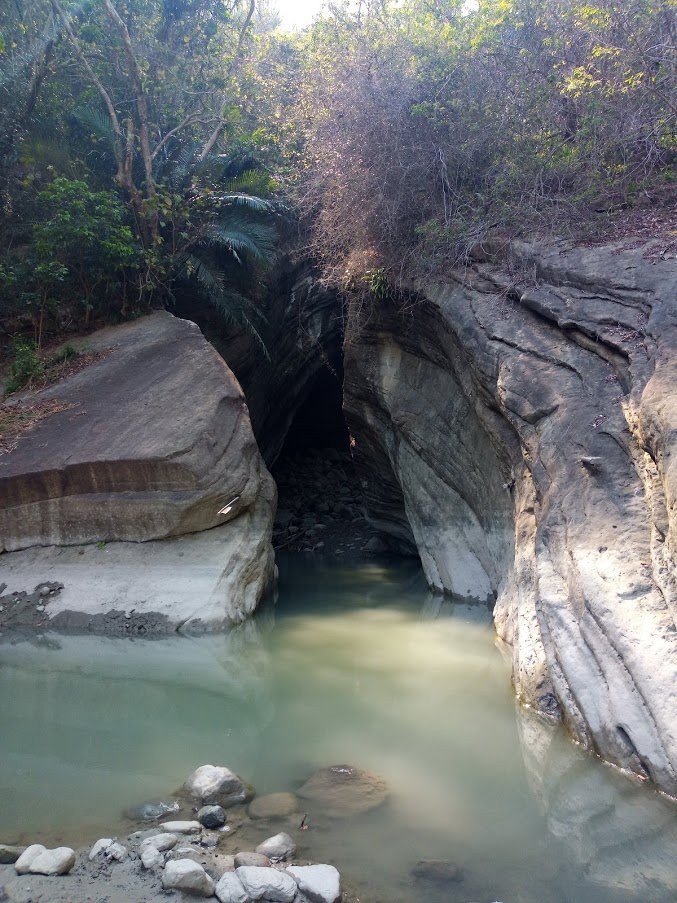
pixel 529 422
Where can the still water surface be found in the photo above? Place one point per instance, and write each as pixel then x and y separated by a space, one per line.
pixel 358 664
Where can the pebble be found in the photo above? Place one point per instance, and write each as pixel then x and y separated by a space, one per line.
pixel 319 883
pixel 231 890
pixel 247 858
pixel 212 816
pixel 267 884
pixel 187 876
pixel 181 827
pixel 281 846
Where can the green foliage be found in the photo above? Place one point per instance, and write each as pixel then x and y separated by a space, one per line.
pixel 25 367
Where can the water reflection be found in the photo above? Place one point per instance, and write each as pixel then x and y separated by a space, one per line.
pixel 357 664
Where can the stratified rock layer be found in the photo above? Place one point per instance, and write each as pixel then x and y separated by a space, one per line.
pixel 522 431
pixel 153 441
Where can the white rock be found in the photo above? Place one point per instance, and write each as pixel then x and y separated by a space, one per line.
pixel 102 844
pixel 161 842
pixel 215 785
pixel 58 861
pixel 281 846
pixel 230 889
pixel 319 883
pixel 181 827
pixel 267 884
pixel 110 848
pixel 29 855
pixel 188 876
pixel 152 858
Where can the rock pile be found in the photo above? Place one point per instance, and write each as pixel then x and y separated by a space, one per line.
pixel 320 505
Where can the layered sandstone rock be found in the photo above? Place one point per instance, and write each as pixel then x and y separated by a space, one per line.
pixel 152 441
pixel 521 432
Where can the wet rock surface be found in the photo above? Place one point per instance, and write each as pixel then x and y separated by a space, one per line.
pixel 343 790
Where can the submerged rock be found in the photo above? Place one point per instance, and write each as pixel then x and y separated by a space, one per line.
pixel 274 805
pixel 215 785
pixel 150 810
pixel 343 790
pixel 187 876
pixel 319 883
pixel 436 870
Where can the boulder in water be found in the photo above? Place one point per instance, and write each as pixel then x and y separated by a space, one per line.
pixel 343 790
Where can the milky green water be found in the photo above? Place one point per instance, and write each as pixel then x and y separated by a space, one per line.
pixel 357 664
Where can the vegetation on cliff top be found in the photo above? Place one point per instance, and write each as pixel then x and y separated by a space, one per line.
pixel 147 145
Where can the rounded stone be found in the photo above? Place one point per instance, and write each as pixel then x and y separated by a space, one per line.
pixel 343 790
pixel 187 876
pixel 215 785
pixel 229 889
pixel 212 816
pixel 9 854
pixel 58 861
pixel 23 864
pixel 318 883
pixel 274 805
pixel 281 846
pixel 267 884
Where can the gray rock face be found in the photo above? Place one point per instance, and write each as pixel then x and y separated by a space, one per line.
pixel 343 790
pixel 281 846
pixel 153 442
pixel 522 435
pixel 214 785
pixel 9 853
pixel 267 884
pixel 187 876
pixel 319 883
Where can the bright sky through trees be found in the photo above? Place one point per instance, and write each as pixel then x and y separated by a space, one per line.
pixel 298 13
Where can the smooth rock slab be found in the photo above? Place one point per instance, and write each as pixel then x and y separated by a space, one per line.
pixel 230 889
pixel 187 876
pixel 343 790
pixel 215 785
pixel 29 855
pixel 181 827
pixel 319 883
pixel 267 884
pixel 274 805
pixel 58 861
pixel 281 846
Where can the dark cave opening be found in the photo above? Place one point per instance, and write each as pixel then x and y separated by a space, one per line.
pixel 321 506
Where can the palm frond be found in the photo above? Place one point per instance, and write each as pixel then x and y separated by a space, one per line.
pixel 97 121
pixel 231 305
pixel 248 200
pixel 240 236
